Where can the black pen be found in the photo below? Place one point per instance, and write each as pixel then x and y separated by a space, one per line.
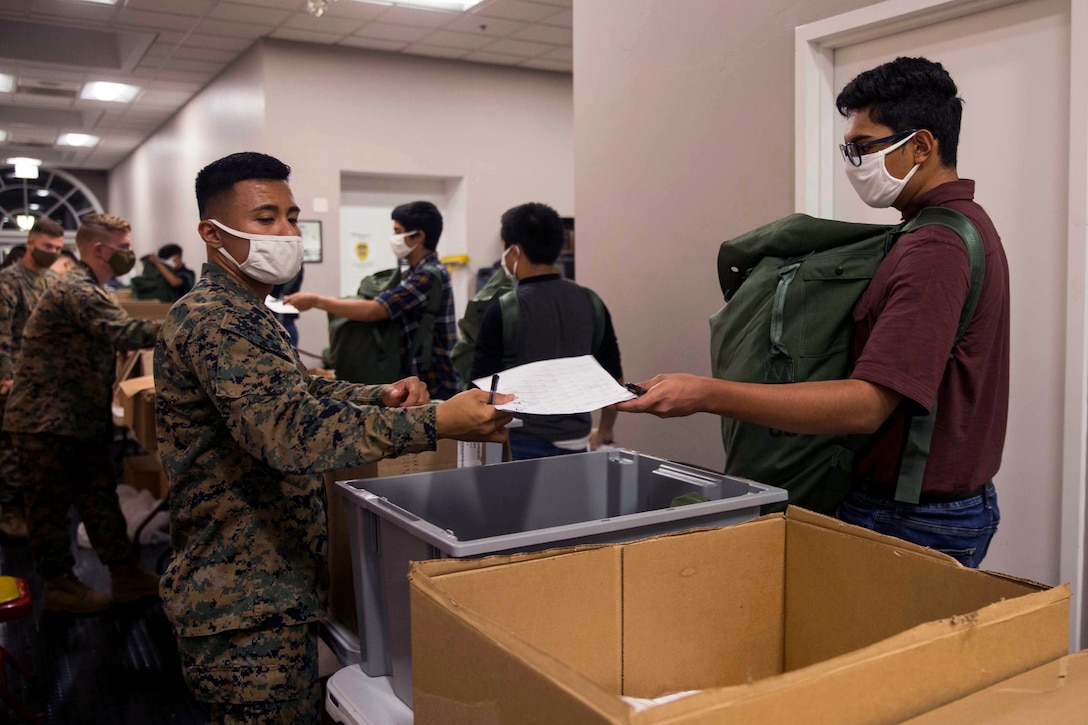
pixel 494 389
pixel 636 389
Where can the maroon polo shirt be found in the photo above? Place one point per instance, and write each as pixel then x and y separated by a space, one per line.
pixel 905 324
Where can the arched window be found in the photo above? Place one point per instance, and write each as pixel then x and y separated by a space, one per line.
pixel 54 194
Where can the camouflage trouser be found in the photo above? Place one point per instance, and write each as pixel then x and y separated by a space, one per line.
pixel 256 675
pixel 60 471
pixel 11 494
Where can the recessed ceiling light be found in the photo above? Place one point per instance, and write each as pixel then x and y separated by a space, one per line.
pixel 3 136
pixel 25 221
pixel 105 91
pixel 25 168
pixel 76 139
pixel 7 83
pixel 42 192
pixel 459 5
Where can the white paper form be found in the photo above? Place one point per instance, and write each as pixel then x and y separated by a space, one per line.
pixel 279 306
pixel 562 386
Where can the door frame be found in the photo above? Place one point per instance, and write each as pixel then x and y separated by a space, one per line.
pixel 814 150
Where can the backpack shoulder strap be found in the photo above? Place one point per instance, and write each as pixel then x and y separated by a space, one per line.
pixel 919 434
pixel 508 305
pixel 598 319
pixel 423 344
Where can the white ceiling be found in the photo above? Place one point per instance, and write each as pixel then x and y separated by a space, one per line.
pixel 173 48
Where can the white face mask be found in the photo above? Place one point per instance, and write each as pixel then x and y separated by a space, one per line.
pixel 876 187
pixel 272 259
pixel 512 273
pixel 399 244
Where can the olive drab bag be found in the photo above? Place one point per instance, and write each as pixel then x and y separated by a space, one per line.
pixel 370 352
pixel 790 289
pixel 468 327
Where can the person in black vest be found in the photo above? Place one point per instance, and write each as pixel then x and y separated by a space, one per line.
pixel 556 318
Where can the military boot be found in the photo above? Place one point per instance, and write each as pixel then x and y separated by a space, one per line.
pixel 68 594
pixel 130 583
pixel 13 523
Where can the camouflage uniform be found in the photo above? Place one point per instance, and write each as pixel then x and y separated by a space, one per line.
pixel 20 289
pixel 59 416
pixel 244 432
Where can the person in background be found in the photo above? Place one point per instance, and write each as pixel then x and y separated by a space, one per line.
pixel 417 227
pixel 289 320
pixel 556 318
pixel 245 432
pixel 64 262
pixel 59 415
pixel 21 284
pixel 14 255
pixel 165 276
pixel 902 134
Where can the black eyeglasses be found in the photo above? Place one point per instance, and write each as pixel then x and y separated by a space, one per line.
pixel 853 152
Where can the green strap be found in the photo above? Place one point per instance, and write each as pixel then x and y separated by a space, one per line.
pixel 919 434
pixel 508 305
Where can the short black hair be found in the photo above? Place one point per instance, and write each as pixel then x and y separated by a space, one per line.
pixel 420 216
pixel 909 93
pixel 219 177
pixel 537 228
pixel 167 251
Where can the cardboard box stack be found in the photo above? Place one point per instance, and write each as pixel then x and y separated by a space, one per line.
pixel 793 618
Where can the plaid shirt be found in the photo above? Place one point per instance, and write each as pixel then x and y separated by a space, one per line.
pixel 407 302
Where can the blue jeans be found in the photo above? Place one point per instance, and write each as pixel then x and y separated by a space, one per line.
pixel 523 447
pixel 962 529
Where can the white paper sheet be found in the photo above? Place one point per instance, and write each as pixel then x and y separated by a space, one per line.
pixel 562 386
pixel 279 307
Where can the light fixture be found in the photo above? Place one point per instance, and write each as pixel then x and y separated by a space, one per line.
pixel 76 139
pixel 42 192
pixel 106 91
pixel 35 207
pixel 25 168
pixel 102 2
pixel 3 136
pixel 7 83
pixel 25 221
pixel 458 5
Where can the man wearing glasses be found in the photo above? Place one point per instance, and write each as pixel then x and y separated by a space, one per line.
pixel 903 123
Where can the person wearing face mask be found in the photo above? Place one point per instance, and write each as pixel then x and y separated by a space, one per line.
pixel 245 433
pixel 59 416
pixel 555 318
pixel 902 133
pixel 21 284
pixel 417 227
pixel 165 276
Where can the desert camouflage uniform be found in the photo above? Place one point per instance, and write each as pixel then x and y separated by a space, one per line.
pixel 59 416
pixel 245 432
pixel 20 289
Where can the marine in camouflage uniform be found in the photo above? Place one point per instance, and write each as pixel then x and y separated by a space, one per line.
pixel 245 432
pixel 60 419
pixel 20 288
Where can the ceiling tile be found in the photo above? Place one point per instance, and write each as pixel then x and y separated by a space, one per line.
pixel 19 6
pixel 305 36
pixel 565 55
pixel 545 34
pixel 434 51
pixel 91 12
pixel 373 43
pixel 277 4
pixel 252 30
pixel 448 39
pixel 557 3
pixel 238 13
pixel 162 21
pixel 515 10
pixel 564 19
pixel 217 42
pixel 544 64
pixel 188 7
pixel 387 31
pixel 354 10
pixel 519 47
pixel 491 27
pixel 495 58
pixel 324 24
pixel 206 54
pixel 414 16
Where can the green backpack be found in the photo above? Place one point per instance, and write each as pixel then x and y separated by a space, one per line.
pixel 370 352
pixel 468 327
pixel 790 289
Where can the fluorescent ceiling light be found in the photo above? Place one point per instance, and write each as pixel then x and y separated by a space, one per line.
pixel 7 83
pixel 459 5
pixel 25 168
pixel 3 136
pixel 104 91
pixel 76 139
pixel 102 2
pixel 25 221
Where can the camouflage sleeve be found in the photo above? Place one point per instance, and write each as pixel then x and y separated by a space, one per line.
pixel 94 310
pixel 7 344
pixel 321 387
pixel 267 405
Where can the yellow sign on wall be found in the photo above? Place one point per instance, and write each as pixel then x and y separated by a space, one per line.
pixel 362 251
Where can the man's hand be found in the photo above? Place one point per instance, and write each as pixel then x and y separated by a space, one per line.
pixel 405 393
pixel 667 396
pixel 302 301
pixel 5 386
pixel 468 417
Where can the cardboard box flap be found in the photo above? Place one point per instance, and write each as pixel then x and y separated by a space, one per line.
pixel 134 386
pixel 795 513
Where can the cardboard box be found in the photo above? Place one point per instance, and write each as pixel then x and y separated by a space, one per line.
pixel 791 618
pixel 1057 692
pixel 145 309
pixel 136 396
pixel 342 607
pixel 144 473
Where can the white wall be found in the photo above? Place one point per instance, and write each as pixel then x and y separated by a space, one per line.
pixel 507 132
pixel 684 120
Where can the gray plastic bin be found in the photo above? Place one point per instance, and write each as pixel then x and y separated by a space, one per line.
pixel 600 497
